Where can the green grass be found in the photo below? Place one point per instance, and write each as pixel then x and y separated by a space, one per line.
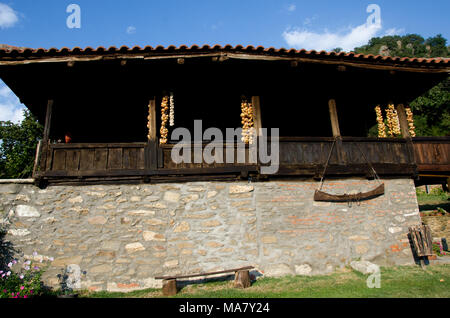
pixel 396 282
pixel 437 198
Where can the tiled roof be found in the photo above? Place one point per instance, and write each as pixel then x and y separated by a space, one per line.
pixel 25 53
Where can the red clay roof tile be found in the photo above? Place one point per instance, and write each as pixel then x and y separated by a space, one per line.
pixel 10 51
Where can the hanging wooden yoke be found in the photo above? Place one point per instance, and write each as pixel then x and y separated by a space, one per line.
pixel 319 195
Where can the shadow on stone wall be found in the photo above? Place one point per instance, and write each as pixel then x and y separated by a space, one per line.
pixel 7 250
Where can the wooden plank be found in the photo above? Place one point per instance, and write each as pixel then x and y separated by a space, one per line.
pixel 37 158
pixel 205 274
pixel 87 157
pixel 101 159
pixel 72 159
pixel 334 118
pixel 115 157
pixel 404 127
pixel 99 145
pixel 48 120
pixel 129 158
pixel 140 157
pixel 257 114
pixel 59 160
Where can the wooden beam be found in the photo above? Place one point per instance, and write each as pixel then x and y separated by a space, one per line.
pixel 257 114
pixel 152 120
pixel 404 128
pixel 378 65
pixel 151 152
pixel 334 118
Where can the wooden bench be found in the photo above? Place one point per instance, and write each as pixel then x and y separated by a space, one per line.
pixel 241 279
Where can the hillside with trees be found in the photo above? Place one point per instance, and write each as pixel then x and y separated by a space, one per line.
pixel 431 110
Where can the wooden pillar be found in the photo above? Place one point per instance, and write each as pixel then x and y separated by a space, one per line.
pixel 404 128
pixel 336 131
pixel 242 279
pixel 48 120
pixel 152 149
pixel 257 114
pixel 334 118
pixel 44 147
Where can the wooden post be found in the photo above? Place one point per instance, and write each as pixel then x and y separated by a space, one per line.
pixel 169 287
pixel 45 138
pixel 334 118
pixel 48 120
pixel 336 130
pixel 242 279
pixel 257 115
pixel 404 128
pixel 152 153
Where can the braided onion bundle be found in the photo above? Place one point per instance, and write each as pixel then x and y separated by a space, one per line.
pixel 392 121
pixel 171 111
pixel 247 122
pixel 410 119
pixel 164 117
pixel 380 123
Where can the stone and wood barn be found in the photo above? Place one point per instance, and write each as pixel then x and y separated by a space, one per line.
pixel 114 203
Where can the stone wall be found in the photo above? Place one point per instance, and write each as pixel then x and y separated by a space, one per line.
pixel 122 236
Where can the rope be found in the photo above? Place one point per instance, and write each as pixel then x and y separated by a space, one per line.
pixel 370 165
pixel 326 164
pixel 364 156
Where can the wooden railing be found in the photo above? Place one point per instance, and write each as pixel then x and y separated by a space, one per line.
pixel 432 154
pixel 94 159
pixel 299 156
pixel 351 155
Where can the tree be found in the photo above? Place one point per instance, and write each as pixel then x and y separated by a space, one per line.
pixel 18 146
pixel 432 111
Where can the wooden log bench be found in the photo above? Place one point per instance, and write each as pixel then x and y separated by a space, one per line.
pixel 241 279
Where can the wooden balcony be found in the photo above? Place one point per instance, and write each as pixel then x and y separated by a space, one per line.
pixel 299 157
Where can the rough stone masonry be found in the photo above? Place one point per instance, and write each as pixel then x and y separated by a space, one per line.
pixel 122 236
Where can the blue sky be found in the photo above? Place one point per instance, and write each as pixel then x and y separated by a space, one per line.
pixel 300 24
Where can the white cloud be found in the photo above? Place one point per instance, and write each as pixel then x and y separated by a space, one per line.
pixel 291 7
pixel 8 17
pixel 394 31
pixel 131 29
pixel 10 106
pixel 347 40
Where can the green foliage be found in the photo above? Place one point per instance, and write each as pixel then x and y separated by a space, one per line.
pixel 410 45
pixel 18 146
pixel 432 109
pixel 24 283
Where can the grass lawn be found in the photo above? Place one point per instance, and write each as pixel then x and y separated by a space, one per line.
pixel 433 200
pixel 396 282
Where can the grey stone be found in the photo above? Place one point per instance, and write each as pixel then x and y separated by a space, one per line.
pixel 278 270
pixel 303 269
pixel 364 267
pixel 27 211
